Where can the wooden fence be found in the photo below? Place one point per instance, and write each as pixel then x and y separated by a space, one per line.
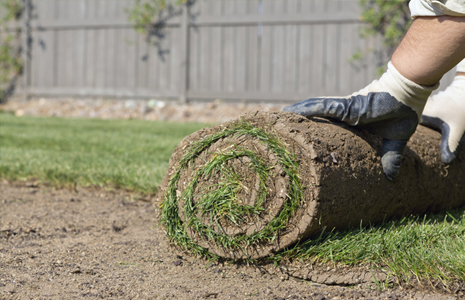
pixel 262 50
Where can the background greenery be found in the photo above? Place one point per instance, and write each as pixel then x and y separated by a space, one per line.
pixel 389 19
pixel 147 13
pixel 10 51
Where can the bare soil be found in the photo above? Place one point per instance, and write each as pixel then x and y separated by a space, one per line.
pixel 95 243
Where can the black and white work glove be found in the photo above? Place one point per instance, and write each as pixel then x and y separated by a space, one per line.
pixel 446 112
pixel 389 107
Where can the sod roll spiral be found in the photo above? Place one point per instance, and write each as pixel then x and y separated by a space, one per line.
pixel 252 187
pixel 232 192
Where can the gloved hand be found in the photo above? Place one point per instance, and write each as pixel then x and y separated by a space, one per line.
pixel 446 113
pixel 389 107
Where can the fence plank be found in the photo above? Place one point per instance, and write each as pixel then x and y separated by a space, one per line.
pixel 42 52
pixel 80 12
pixel 126 60
pixel 229 48
pixel 89 57
pixel 195 58
pixel 240 53
pixel 292 41
pixel 155 57
pixel 253 44
pixel 60 53
pixel 265 59
pixel 251 55
pixel 305 58
pixel 110 60
pixel 318 49
pixel 179 68
pixel 180 57
pixel 216 60
pixel 331 55
pixel 346 71
pixel 278 49
pixel 165 67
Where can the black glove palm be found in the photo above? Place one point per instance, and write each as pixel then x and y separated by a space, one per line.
pixel 377 112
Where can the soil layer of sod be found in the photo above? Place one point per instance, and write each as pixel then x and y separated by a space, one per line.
pixel 254 186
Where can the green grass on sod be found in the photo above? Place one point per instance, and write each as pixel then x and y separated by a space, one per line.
pixel 130 154
pixel 430 249
pixel 134 155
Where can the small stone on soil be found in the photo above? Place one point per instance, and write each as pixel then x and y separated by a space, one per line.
pixel 177 262
pixel 210 295
pixel 318 297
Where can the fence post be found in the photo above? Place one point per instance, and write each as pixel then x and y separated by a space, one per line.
pixel 184 81
pixel 26 47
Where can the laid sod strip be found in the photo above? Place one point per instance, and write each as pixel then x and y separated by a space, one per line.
pixel 225 195
pixel 429 249
pixel 130 154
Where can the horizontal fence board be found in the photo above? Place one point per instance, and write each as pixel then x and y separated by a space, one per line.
pixel 221 20
pixel 101 92
pixel 51 24
pixel 243 20
pixel 255 96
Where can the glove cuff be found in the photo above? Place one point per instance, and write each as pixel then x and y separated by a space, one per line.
pixel 457 91
pixel 406 91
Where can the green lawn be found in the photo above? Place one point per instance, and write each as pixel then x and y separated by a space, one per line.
pixel 134 155
pixel 428 249
pixel 128 154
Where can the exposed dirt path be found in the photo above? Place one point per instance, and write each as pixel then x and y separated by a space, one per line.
pixel 92 243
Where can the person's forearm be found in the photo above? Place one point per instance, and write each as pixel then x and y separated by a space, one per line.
pixel 431 47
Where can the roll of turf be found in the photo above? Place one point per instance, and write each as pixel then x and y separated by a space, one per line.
pixel 256 185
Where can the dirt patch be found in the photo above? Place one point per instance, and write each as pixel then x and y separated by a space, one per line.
pixel 91 243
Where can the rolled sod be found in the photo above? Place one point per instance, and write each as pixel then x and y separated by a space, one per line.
pixel 256 185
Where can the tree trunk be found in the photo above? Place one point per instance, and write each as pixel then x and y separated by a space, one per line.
pixel 339 174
